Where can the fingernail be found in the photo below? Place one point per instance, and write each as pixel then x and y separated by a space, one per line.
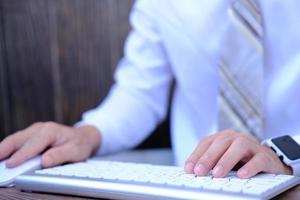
pixel 47 161
pixel 200 170
pixel 243 173
pixel 218 171
pixel 189 167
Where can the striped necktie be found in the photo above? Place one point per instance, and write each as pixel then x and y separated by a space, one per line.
pixel 241 71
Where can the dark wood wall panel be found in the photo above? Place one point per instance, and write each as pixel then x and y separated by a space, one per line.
pixel 4 96
pixel 27 40
pixel 118 12
pixel 57 59
pixel 86 30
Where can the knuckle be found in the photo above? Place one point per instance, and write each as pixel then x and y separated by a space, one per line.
pixel 249 138
pixel 37 124
pixel 42 135
pixel 227 133
pixel 15 135
pixel 10 138
pixel 210 137
pixel 206 156
pixel 230 131
pixel 242 145
pixel 50 125
pixel 224 133
pixel 244 136
pixel 205 139
pixel 192 158
pixel 223 139
pixel 29 144
pixel 223 162
pixel 47 136
pixel 242 141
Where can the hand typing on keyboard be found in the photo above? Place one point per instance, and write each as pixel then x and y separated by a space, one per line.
pixel 219 152
pixel 62 144
pixel 223 151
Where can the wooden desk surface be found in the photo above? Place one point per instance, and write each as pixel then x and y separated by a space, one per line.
pixel 155 157
pixel 12 193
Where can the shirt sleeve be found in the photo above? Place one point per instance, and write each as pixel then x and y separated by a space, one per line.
pixel 138 100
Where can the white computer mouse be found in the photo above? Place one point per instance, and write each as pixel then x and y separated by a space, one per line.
pixel 8 175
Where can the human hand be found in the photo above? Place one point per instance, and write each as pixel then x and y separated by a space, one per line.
pixel 57 144
pixel 223 151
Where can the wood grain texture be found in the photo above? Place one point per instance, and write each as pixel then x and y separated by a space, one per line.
pixel 13 194
pixel 26 32
pixel 58 58
pixel 88 36
pixel 4 95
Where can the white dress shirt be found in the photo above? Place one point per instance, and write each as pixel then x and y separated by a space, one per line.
pixel 181 40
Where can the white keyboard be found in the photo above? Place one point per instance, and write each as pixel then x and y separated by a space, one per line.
pixel 120 180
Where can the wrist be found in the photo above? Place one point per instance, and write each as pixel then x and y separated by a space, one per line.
pixel 282 167
pixel 287 169
pixel 288 151
pixel 92 135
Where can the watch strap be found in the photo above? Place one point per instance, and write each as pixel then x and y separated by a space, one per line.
pixel 296 166
pixel 296 169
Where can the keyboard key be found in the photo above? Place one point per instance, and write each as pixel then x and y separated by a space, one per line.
pixel 255 190
pixel 233 187
pixel 168 176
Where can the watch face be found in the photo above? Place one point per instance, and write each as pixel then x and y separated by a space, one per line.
pixel 288 146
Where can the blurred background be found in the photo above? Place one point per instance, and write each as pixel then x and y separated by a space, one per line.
pixel 57 59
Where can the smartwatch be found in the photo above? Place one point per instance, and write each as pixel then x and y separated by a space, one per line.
pixel 288 150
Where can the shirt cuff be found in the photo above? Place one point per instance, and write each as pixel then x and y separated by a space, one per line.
pixel 104 128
